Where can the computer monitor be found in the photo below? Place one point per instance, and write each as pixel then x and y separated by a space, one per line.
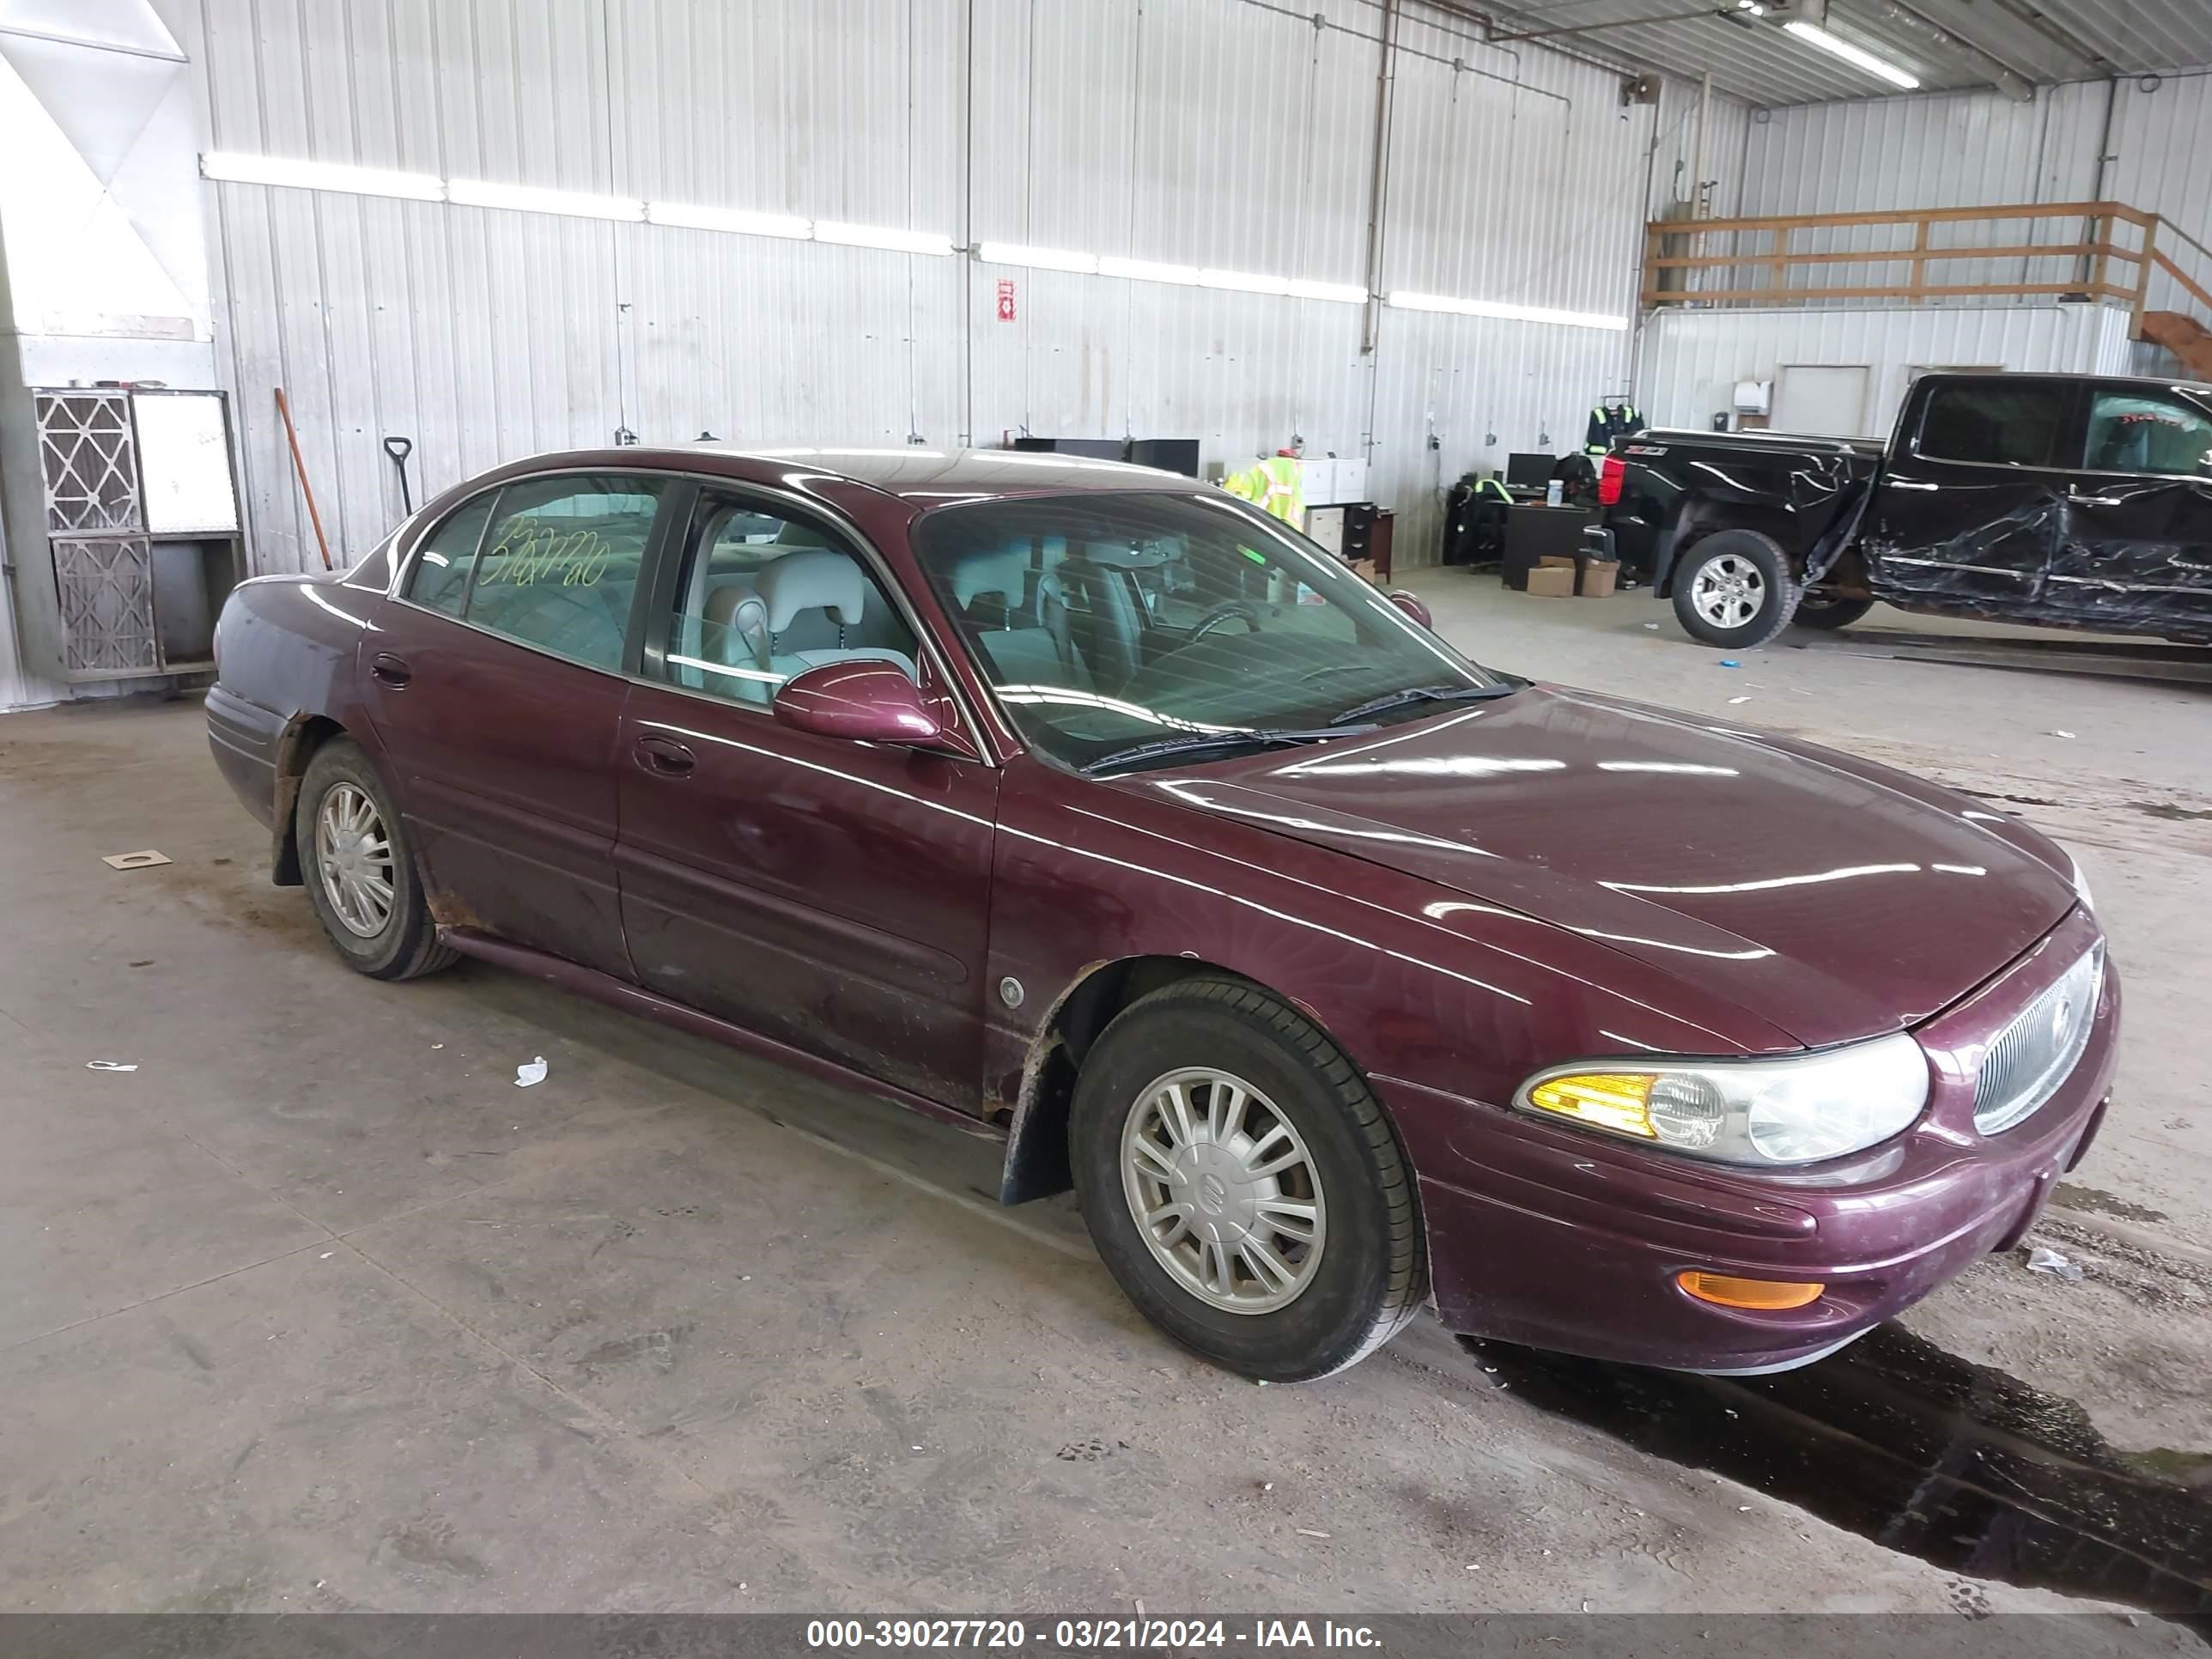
pixel 1529 472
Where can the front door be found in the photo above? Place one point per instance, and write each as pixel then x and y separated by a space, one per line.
pixel 1971 502
pixel 2136 555
pixel 831 896
pixel 495 685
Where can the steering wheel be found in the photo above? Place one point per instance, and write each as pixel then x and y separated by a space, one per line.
pixel 1222 613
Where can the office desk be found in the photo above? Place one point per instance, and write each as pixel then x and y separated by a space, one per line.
pixel 1535 531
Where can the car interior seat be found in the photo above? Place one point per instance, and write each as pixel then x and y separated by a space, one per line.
pixel 1020 617
pixel 817 609
pixel 1108 619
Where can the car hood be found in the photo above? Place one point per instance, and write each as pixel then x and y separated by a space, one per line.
pixel 1832 897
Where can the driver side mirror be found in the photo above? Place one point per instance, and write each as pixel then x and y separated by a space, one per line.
pixel 861 700
pixel 1411 604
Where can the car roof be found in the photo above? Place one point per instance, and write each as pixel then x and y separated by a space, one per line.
pixel 923 474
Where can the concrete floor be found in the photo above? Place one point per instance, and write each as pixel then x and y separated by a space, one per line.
pixel 316 1309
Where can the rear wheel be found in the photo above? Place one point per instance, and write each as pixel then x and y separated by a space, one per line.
pixel 1830 613
pixel 359 871
pixel 1734 590
pixel 1242 1185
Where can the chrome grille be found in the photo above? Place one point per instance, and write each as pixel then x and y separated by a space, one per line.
pixel 2031 1056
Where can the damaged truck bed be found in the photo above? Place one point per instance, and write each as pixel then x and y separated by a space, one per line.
pixel 2066 500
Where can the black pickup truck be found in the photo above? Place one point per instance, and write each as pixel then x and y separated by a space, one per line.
pixel 2069 501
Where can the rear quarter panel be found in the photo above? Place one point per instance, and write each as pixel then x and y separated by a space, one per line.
pixel 1678 486
pixel 286 651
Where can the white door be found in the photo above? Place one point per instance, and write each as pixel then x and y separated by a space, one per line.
pixel 1824 400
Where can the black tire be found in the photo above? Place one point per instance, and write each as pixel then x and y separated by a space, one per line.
pixel 406 946
pixel 1777 590
pixel 1830 614
pixel 1371 1275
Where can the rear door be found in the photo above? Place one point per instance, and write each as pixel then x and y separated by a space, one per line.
pixel 2136 554
pixel 1974 496
pixel 495 683
pixel 831 895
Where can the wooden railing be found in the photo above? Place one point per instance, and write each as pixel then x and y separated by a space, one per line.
pixel 2113 261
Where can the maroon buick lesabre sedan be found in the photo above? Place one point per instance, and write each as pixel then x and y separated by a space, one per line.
pixel 1086 807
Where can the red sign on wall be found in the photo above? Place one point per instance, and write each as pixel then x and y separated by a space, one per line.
pixel 1006 299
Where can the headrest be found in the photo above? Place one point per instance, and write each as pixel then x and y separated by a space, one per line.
pixel 1003 571
pixel 1120 556
pixel 812 580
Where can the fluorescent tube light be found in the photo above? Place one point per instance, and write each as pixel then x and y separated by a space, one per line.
pixel 898 241
pixel 529 198
pixel 1147 271
pixel 288 174
pixel 686 216
pixel 1852 54
pixel 1348 293
pixel 1403 301
pixel 1243 281
pixel 1036 258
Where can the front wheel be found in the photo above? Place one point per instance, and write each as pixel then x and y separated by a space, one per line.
pixel 1242 1185
pixel 1735 590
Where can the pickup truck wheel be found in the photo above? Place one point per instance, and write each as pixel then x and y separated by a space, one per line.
pixel 1242 1185
pixel 1735 590
pixel 359 870
pixel 1830 613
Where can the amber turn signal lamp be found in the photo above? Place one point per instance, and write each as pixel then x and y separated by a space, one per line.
pixel 1764 1294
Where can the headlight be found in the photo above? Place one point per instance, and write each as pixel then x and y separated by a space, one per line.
pixel 1797 1110
pixel 2082 888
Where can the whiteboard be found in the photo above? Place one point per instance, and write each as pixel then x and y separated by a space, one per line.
pixel 183 462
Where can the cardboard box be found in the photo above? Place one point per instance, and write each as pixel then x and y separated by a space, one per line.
pixel 1553 581
pixel 1598 577
pixel 1365 570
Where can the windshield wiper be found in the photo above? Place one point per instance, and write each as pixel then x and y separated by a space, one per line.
pixel 1390 700
pixel 1197 742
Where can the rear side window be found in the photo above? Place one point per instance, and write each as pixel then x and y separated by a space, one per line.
pixel 1993 422
pixel 447 556
pixel 2133 431
pixel 560 563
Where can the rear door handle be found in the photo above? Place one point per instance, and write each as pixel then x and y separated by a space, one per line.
pixel 390 670
pixel 664 755
pixel 2081 500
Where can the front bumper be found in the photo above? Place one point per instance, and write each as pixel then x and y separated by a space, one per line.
pixel 1560 1238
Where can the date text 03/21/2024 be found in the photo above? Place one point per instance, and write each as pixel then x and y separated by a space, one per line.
pixel 1138 1634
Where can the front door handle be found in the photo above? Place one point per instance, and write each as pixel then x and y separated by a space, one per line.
pixel 2080 500
pixel 390 670
pixel 664 755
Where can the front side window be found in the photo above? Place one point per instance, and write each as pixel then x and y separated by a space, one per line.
pixel 1105 621
pixel 764 597
pixel 1993 422
pixel 560 563
pixel 2134 431
pixel 447 557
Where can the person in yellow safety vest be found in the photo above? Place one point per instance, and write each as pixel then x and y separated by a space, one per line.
pixel 1275 485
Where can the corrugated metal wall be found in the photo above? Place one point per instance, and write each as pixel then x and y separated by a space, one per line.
pixel 1974 149
pixel 1692 360
pixel 1229 133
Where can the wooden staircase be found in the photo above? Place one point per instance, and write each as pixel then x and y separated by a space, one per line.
pixel 2184 336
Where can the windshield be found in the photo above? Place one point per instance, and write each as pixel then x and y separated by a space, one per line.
pixel 1108 621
